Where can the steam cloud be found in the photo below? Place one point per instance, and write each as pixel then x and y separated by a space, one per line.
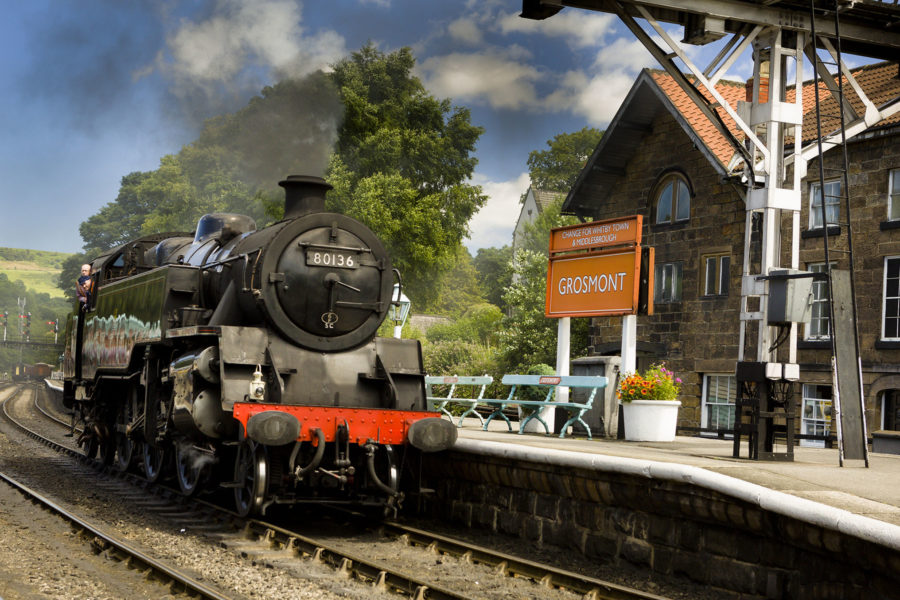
pixel 190 61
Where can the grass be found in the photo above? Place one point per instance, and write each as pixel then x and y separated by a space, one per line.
pixel 36 269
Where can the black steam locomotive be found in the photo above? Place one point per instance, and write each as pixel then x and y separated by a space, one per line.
pixel 247 359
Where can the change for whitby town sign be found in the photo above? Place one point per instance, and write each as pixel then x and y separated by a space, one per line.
pixel 595 269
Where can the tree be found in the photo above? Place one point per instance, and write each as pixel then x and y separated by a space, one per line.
pixel 402 164
pixel 530 337
pixel 537 233
pixel 120 220
pixel 492 266
pixel 457 289
pixel 71 270
pixel 557 168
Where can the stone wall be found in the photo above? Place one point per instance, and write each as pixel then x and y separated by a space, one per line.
pixel 874 238
pixel 700 335
pixel 670 528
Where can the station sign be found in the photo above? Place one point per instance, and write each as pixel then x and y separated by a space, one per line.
pixel 592 285
pixel 596 234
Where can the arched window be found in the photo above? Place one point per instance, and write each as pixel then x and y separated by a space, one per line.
pixel 673 199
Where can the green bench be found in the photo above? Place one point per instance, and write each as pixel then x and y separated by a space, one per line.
pixel 442 403
pixel 575 410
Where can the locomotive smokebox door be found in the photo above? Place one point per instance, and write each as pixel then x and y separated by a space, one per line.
pixel 329 282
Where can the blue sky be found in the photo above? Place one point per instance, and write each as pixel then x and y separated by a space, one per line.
pixel 96 89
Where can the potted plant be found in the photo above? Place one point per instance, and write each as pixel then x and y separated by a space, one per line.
pixel 650 404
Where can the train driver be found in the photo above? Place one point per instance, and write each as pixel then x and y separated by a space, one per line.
pixel 84 287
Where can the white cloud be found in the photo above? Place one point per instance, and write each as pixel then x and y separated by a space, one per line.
pixel 624 53
pixel 578 27
pixel 493 225
pixel 242 34
pixel 595 97
pixel 499 76
pixel 466 30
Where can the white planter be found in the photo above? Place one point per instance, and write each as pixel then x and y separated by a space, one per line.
pixel 650 420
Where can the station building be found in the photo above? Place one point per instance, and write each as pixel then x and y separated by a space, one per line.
pixel 661 158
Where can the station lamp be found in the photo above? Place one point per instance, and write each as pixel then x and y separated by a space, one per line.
pixel 399 309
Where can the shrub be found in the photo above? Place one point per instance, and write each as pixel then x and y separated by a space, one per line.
pixel 455 357
pixel 478 323
pixel 533 392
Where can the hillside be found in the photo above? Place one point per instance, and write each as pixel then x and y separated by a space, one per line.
pixel 36 269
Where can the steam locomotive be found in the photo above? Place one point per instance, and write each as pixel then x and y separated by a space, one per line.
pixel 248 359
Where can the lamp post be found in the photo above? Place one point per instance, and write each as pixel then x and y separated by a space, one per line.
pixel 399 309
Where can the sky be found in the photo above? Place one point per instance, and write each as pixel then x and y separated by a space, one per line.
pixel 91 91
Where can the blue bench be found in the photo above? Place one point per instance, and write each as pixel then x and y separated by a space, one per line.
pixel 575 410
pixel 441 403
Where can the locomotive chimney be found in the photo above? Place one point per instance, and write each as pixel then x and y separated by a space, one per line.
pixel 303 195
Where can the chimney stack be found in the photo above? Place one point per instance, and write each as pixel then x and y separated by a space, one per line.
pixel 303 195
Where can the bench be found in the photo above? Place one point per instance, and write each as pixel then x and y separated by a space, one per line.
pixel 442 402
pixel 575 410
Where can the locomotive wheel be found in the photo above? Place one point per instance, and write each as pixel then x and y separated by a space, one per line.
pixel 251 472
pixel 154 461
pixel 89 446
pixel 125 446
pixel 189 468
pixel 389 469
pixel 106 450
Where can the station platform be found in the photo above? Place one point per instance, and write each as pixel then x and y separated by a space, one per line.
pixel 815 475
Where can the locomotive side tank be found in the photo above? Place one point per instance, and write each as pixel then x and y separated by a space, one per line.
pixel 250 355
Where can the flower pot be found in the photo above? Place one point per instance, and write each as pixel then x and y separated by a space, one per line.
pixel 650 420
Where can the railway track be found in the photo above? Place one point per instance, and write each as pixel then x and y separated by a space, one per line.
pixel 391 556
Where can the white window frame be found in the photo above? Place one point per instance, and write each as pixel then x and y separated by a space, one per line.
pixel 716 274
pixel 832 204
pixel 668 282
pixel 815 414
pixel 892 301
pixel 679 199
pixel 819 307
pixel 712 382
pixel 893 202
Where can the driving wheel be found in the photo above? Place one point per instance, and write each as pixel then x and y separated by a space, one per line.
pixel 251 473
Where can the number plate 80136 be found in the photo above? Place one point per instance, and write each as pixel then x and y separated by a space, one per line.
pixel 331 258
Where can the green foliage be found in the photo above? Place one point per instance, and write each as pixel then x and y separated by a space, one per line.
pixel 456 290
pixel 43 308
pixel 456 357
pixel 402 165
pixel 68 275
pixel 532 392
pixel 557 168
pixel 36 269
pixel 403 161
pixel 40 258
pixel 494 274
pixel 528 336
pixel 656 383
pixel 479 323
pixel 536 236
